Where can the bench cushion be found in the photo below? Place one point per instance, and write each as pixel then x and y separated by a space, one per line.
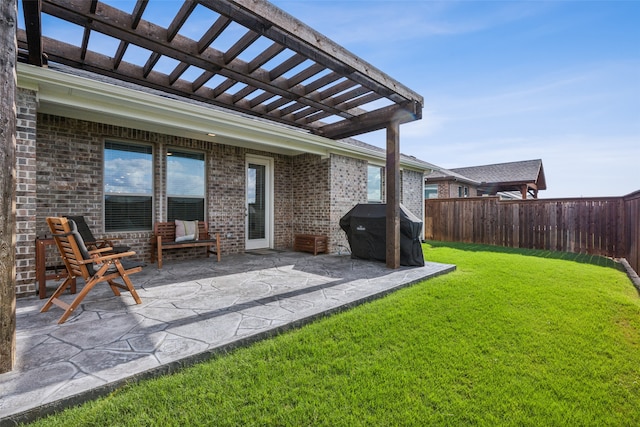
pixel 186 230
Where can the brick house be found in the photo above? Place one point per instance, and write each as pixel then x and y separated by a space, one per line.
pixel 130 113
pixel 512 180
pixel 72 122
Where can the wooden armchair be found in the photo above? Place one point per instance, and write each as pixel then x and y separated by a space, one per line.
pixel 100 265
pixel 90 240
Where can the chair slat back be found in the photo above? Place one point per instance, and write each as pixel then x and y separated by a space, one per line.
pixel 203 230
pixel 167 230
pixel 68 247
pixel 83 229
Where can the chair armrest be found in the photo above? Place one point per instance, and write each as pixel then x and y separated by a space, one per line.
pixel 100 250
pixel 101 243
pixel 109 241
pixel 111 256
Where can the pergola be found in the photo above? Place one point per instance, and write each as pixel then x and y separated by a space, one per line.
pixel 301 78
pixel 276 68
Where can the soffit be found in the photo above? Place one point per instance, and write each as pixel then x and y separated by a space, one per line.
pixel 83 96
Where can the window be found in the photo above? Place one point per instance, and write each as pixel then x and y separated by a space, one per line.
pixel 463 191
pixel 185 185
pixel 374 184
pixel 128 186
pixel 430 191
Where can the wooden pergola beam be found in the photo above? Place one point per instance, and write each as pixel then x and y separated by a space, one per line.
pixel 213 33
pixel 138 10
pixel 102 64
pixel 33 25
pixel 372 121
pixel 180 18
pixel 393 195
pixel 8 124
pixel 179 48
pixel 239 46
pixel 301 100
pixel 299 37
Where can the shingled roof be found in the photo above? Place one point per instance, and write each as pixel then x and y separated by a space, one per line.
pixel 522 176
pixel 523 172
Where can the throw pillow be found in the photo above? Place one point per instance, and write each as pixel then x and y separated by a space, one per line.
pixel 186 230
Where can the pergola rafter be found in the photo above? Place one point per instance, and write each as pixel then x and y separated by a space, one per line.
pixel 316 81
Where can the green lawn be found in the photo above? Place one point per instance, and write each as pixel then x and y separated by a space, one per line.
pixel 518 338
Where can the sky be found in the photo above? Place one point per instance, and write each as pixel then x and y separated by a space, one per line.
pixel 505 81
pixel 502 81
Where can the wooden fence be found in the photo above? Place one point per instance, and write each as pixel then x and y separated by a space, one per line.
pixel 607 226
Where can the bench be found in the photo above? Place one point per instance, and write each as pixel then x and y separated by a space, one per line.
pixel 164 237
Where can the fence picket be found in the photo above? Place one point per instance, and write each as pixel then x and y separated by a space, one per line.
pixel 607 226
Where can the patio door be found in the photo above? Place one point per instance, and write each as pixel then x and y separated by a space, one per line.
pixel 259 203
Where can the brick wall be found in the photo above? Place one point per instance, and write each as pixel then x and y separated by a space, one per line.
pixel 69 181
pixel 311 195
pixel 25 191
pixel 69 173
pixel 283 207
pixel 60 172
pixel 412 194
pixel 449 189
pixel 225 193
pixel 348 183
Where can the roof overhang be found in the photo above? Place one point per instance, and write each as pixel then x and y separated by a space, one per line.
pixel 73 96
pixel 431 180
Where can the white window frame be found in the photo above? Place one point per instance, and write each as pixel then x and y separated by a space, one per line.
pixel 106 193
pixel 204 177
pixel 381 189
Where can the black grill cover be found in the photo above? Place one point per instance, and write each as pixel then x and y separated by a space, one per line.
pixel 366 226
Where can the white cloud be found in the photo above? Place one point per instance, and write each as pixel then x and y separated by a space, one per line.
pixel 385 22
pixel 575 165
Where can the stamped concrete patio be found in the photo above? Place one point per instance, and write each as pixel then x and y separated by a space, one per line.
pixel 190 310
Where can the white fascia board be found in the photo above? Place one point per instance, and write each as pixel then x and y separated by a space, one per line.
pixel 104 102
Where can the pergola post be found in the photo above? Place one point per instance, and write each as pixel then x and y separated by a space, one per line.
pixel 8 84
pixel 393 195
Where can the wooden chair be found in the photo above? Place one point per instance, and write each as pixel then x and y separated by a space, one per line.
pixel 90 240
pixel 100 265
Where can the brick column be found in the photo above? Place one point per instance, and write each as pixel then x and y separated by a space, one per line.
pixel 26 192
pixel 348 187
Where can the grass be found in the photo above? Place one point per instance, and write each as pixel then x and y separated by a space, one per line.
pixel 512 337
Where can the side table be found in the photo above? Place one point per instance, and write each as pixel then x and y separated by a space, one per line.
pixel 41 267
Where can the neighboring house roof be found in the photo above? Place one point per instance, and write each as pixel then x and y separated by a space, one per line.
pixel 515 173
pixel 500 177
pixel 443 174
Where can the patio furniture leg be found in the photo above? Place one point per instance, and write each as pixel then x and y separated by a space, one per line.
pixel 63 287
pixel 127 283
pixel 69 308
pixel 159 246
